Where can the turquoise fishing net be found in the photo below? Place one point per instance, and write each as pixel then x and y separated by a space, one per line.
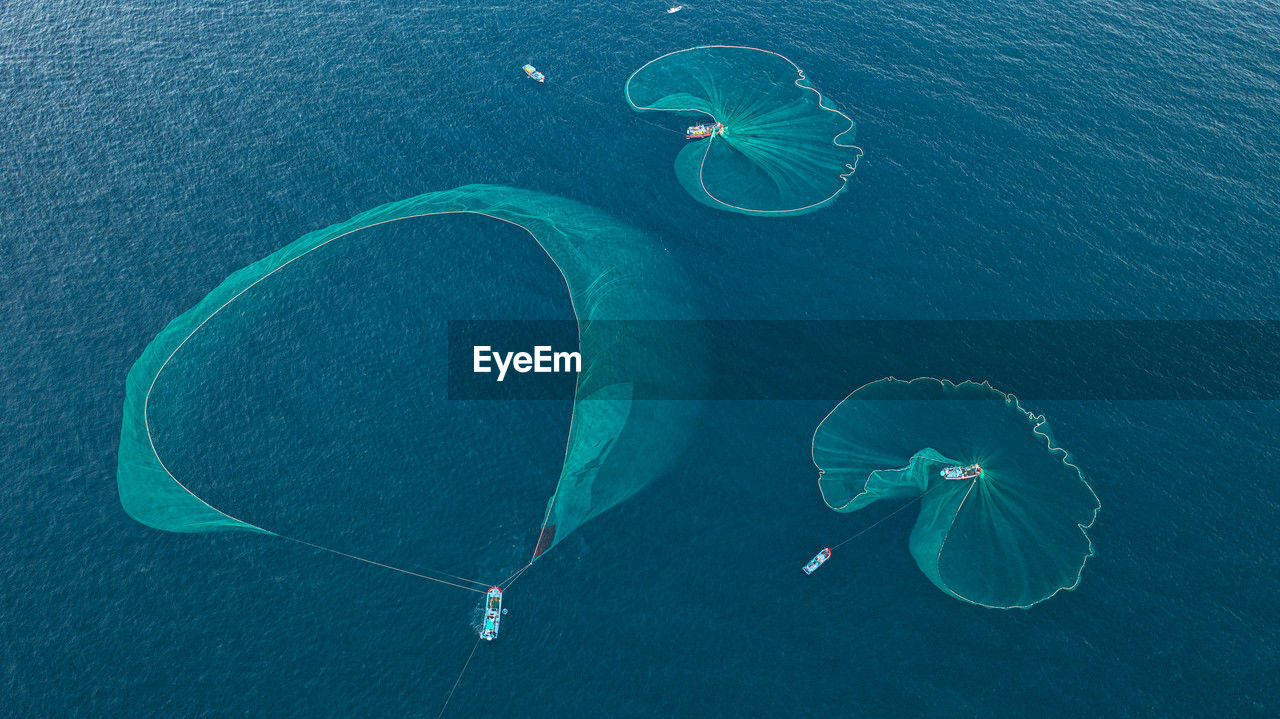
pixel 785 148
pixel 620 437
pixel 1011 538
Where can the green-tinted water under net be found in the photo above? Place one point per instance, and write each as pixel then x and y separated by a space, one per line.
pixel 1011 538
pixel 784 149
pixel 619 440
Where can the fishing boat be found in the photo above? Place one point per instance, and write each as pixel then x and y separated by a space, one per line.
pixel 818 560
pixel 957 472
pixel 533 73
pixel 697 132
pixel 492 614
pixel 674 9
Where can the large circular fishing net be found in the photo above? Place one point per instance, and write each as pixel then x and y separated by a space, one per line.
pixel 783 149
pixel 1012 537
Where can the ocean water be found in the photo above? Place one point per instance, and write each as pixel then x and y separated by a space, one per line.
pixel 1037 160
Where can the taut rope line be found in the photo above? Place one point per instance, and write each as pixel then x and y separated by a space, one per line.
pixel 388 566
pixel 601 104
pixel 514 576
pixel 459 679
pixel 888 516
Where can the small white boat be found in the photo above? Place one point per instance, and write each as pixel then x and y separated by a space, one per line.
pixel 533 73
pixel 492 614
pixel 818 560
pixel 675 8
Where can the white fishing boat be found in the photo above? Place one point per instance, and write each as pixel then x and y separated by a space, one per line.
pixel 533 73
pixel 818 560
pixel 492 614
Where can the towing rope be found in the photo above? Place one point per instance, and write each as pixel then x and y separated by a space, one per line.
pixel 887 517
pixel 396 569
pixel 605 105
pixel 514 576
pixel 459 679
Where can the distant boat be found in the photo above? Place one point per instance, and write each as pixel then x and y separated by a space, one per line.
pixel 492 614
pixel 957 472
pixel 818 560
pixel 532 72
pixel 676 8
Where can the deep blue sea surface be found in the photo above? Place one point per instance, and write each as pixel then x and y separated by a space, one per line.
pixel 1048 160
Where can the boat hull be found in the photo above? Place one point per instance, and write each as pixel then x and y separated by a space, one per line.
pixel 818 560
pixel 958 474
pixel 492 614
